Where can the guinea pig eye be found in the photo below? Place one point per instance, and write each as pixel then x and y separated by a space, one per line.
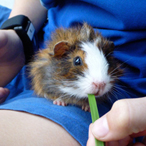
pixel 77 61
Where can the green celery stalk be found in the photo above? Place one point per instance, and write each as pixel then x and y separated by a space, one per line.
pixel 94 114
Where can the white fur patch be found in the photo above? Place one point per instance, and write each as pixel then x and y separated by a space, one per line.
pixel 97 72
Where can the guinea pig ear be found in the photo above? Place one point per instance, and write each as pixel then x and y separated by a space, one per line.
pixel 61 49
pixel 87 32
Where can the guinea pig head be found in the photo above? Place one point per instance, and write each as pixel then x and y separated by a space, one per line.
pixel 85 67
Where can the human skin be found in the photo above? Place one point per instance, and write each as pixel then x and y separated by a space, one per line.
pixel 125 121
pixel 23 129
pixel 11 48
pixel 20 128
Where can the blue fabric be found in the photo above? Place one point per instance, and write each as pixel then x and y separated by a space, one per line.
pixel 4 14
pixel 123 22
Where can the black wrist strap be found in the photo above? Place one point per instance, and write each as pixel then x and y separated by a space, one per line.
pixel 26 31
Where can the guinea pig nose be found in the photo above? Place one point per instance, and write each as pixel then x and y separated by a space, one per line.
pixel 99 85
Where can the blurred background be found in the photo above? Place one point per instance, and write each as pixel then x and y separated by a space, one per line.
pixel 7 3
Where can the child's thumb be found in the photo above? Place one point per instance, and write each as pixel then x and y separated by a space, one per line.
pixel 126 117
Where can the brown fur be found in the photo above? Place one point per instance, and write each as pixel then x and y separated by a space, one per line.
pixel 55 63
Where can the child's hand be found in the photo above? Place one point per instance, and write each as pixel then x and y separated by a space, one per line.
pixel 4 92
pixel 125 121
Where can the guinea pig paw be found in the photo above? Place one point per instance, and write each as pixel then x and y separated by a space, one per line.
pixel 86 108
pixel 59 102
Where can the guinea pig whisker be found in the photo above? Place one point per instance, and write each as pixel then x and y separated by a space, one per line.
pixel 119 66
pixel 109 94
pixel 114 76
pixel 108 54
pixel 105 66
pixel 120 88
pixel 114 94
pixel 113 71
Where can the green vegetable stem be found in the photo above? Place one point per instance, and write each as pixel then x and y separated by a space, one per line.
pixel 94 114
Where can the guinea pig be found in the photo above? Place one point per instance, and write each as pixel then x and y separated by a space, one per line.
pixel 76 62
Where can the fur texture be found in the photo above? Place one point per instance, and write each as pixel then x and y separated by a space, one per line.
pixel 76 62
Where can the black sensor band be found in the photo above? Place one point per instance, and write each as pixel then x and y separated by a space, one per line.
pixel 26 31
